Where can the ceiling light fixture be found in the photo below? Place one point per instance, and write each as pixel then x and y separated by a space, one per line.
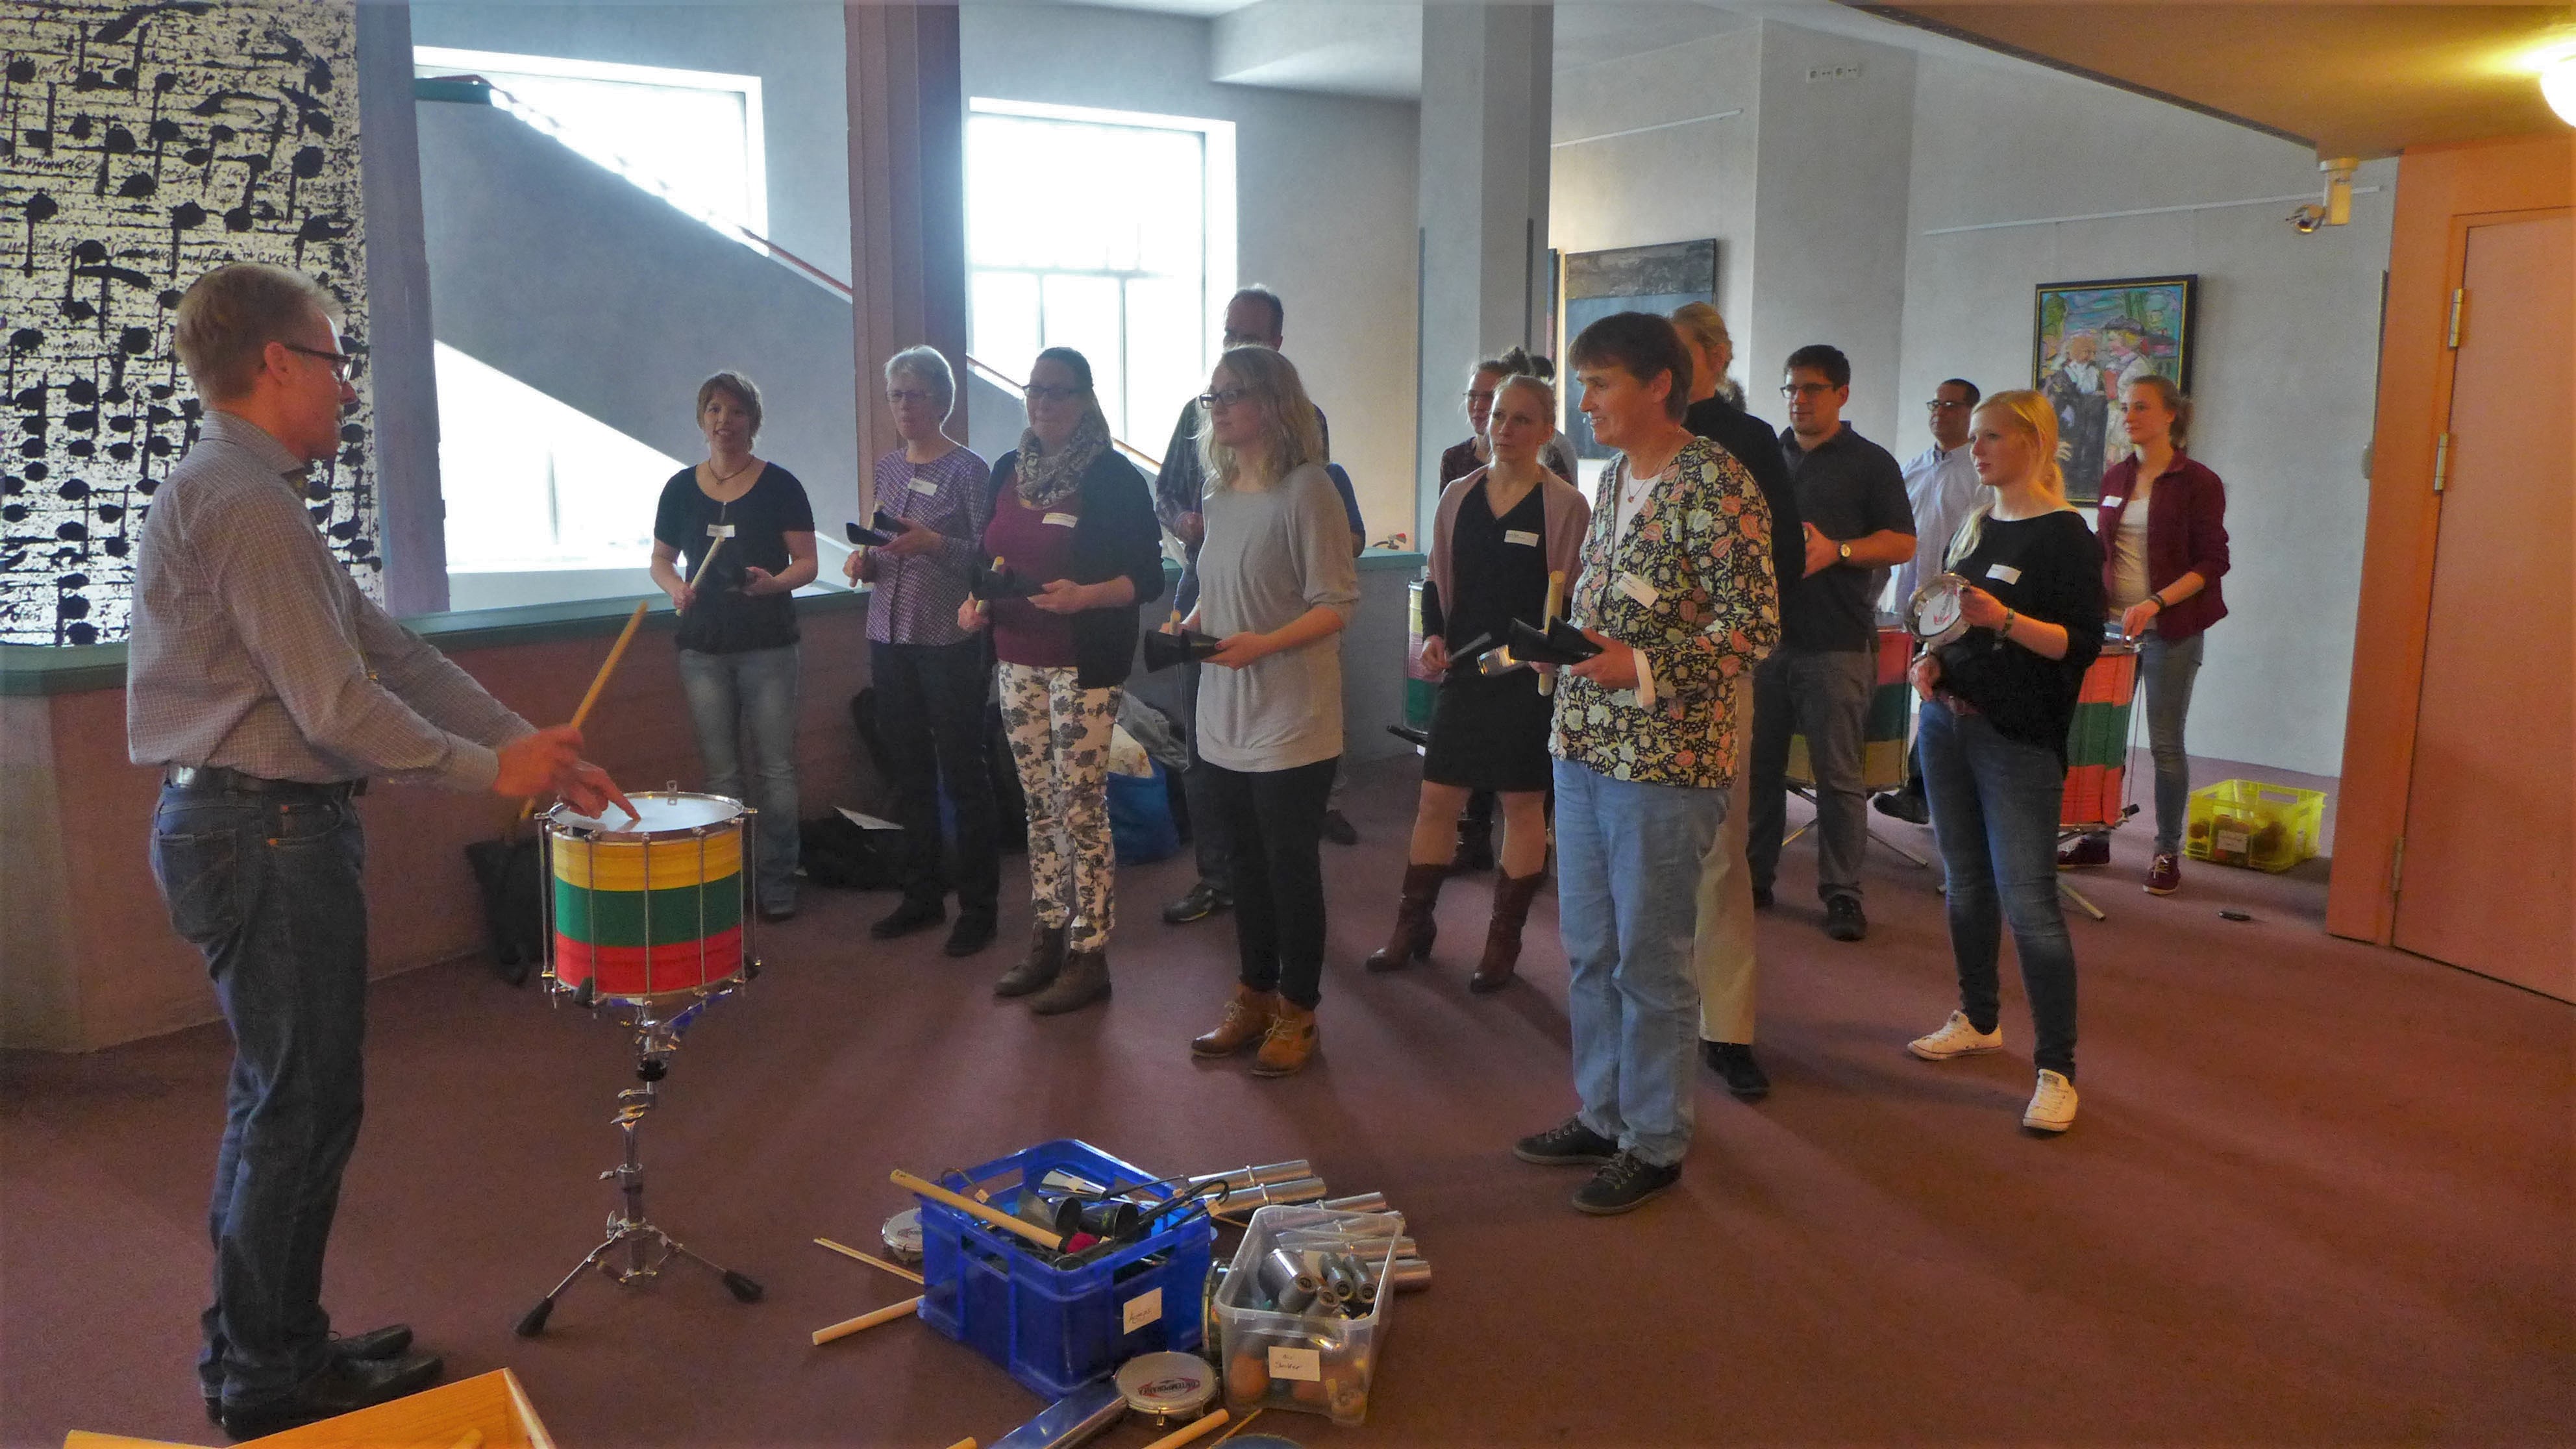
pixel 2558 84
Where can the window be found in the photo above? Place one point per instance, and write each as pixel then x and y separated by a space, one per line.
pixel 1108 232
pixel 692 136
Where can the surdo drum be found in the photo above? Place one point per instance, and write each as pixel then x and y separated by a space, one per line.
pixel 652 907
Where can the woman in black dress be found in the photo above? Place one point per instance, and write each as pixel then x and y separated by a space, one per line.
pixel 1501 530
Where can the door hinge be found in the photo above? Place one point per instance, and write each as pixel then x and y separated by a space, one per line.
pixel 2441 462
pixel 2396 866
pixel 2459 303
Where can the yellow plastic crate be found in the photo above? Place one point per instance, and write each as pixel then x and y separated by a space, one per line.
pixel 2252 823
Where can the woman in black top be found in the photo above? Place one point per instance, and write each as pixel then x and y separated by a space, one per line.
pixel 1498 534
pixel 737 625
pixel 1997 704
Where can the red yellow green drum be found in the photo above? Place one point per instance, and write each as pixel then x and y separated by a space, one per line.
pixel 649 907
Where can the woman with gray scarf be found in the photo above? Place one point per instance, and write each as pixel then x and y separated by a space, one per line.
pixel 1074 518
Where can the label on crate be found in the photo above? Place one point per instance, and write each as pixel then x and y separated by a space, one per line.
pixel 1305 1365
pixel 1144 1308
pixel 2230 842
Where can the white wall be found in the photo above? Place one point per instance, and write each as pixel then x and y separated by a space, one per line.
pixel 2286 369
pixel 1326 208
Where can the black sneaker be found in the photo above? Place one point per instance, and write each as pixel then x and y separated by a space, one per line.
pixel 972 933
pixel 1568 1144
pixel 909 917
pixel 1628 1183
pixel 1843 920
pixel 1733 1062
pixel 1905 805
pixel 1203 901
pixel 1337 829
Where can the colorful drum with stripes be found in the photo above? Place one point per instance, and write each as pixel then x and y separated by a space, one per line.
pixel 649 907
pixel 2097 743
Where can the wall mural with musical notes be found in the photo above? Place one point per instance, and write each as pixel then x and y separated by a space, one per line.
pixel 140 146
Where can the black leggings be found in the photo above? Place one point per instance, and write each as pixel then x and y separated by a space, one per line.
pixel 1274 820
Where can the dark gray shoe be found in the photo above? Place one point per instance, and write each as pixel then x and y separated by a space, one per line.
pixel 1843 920
pixel 1905 805
pixel 1627 1184
pixel 375 1343
pixel 1202 901
pixel 1734 1064
pixel 1084 980
pixel 344 1386
pixel 1568 1144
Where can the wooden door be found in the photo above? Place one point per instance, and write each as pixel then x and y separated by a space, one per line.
pixel 2489 867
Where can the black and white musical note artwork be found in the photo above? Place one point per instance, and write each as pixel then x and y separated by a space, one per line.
pixel 141 145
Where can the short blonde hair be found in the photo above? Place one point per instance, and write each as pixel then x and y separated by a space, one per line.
pixel 924 365
pixel 231 314
pixel 743 390
pixel 1292 433
pixel 1704 325
pixel 1534 383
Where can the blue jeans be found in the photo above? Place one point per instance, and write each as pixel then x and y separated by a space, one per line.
pixel 2167 671
pixel 267 887
pixel 754 690
pixel 1995 804
pixel 1628 863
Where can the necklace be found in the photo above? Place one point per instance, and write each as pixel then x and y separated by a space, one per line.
pixel 723 478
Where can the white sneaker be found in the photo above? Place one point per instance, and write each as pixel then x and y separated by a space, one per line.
pixel 1956 1038
pixel 2052 1104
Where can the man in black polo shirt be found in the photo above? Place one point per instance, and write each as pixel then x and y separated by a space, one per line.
pixel 1857 524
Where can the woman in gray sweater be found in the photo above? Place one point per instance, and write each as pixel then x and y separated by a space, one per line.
pixel 1276 585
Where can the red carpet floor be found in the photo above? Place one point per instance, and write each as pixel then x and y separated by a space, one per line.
pixel 2319 1193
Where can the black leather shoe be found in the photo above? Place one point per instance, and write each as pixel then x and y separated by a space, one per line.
pixel 1843 920
pixel 1905 805
pixel 909 917
pixel 345 1386
pixel 1337 829
pixel 1734 1064
pixel 375 1343
pixel 972 933
pixel 1203 901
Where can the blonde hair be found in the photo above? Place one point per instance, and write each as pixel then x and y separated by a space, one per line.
pixel 231 314
pixel 1704 325
pixel 1292 434
pixel 2025 412
pixel 2176 401
pixel 1534 383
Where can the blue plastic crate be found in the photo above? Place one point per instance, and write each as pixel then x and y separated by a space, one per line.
pixel 1057 1329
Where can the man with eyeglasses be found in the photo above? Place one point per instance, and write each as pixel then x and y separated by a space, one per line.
pixel 1851 498
pixel 1254 317
pixel 1941 486
pixel 267 687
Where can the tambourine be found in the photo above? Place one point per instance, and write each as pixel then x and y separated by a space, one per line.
pixel 1935 612
pixel 1167 1385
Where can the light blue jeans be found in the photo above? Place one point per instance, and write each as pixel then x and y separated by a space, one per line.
pixel 1628 863
pixel 753 692
pixel 2167 672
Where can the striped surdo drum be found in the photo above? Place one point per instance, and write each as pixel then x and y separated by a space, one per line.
pixel 648 907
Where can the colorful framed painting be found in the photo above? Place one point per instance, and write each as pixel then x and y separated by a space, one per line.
pixel 2089 341
pixel 1594 285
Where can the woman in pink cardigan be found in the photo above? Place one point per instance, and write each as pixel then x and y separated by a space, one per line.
pixel 2163 525
pixel 1500 531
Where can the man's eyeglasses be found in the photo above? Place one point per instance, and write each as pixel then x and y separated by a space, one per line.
pixel 1479 395
pixel 1805 389
pixel 339 360
pixel 1051 392
pixel 1944 405
pixel 1224 397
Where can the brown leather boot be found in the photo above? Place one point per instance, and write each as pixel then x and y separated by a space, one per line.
pixel 1037 970
pixel 1512 896
pixel 1415 930
pixel 1290 1042
pixel 1084 980
pixel 1247 1017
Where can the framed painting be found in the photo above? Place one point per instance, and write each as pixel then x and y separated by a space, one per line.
pixel 1594 285
pixel 2089 341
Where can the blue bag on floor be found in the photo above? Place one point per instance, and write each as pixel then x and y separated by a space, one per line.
pixel 1140 818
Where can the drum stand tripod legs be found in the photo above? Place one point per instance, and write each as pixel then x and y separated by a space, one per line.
pixel 646 1247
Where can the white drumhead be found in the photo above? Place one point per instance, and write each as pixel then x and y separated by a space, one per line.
pixel 658 812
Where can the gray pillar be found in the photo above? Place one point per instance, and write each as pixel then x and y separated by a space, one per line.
pixel 1483 206
pixel 400 358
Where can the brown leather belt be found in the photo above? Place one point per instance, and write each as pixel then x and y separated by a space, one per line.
pixel 220 778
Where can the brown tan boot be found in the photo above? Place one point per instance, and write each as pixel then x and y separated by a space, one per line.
pixel 1247 1018
pixel 1037 970
pixel 1512 896
pixel 1415 929
pixel 1084 980
pixel 1290 1042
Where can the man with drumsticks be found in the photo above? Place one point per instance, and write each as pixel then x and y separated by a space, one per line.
pixel 268 687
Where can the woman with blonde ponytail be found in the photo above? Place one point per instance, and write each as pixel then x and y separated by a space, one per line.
pixel 1997 703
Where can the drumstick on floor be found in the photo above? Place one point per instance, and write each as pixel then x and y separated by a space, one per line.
pixel 848 1326
pixel 974 1209
pixel 873 1262
pixel 599 681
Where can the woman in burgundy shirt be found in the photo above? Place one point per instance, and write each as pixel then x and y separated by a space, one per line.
pixel 2163 525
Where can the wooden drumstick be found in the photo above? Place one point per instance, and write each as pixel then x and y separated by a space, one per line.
pixel 598 682
pixel 977 1210
pixel 850 1252
pixel 709 561
pixel 1187 1432
pixel 1555 606
pixel 1240 1425
pixel 849 1326
pixel 963 1444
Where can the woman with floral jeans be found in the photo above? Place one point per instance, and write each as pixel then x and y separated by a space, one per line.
pixel 1072 515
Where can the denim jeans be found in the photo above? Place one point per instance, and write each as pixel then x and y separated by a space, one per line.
pixel 1994 812
pixel 755 692
pixel 2167 672
pixel 267 887
pixel 1629 859
pixel 1824 695
pixel 930 716
pixel 1275 819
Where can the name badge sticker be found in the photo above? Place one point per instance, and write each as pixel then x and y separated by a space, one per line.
pixel 2112 500
pixel 2003 573
pixel 925 485
pixel 1638 589
pixel 719 530
pixel 1526 538
pixel 1061 520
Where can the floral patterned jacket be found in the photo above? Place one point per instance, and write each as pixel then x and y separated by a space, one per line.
pixel 1700 549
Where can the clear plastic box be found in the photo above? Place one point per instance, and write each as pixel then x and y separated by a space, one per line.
pixel 1310 1363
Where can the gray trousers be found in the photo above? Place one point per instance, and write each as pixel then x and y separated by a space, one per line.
pixel 1722 940
pixel 1824 696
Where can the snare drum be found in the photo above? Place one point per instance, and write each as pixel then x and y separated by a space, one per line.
pixel 648 907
